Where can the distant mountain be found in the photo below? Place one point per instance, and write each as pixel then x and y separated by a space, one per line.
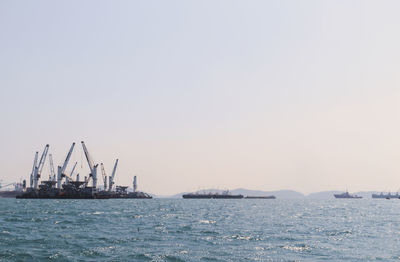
pixel 282 194
pixel 323 194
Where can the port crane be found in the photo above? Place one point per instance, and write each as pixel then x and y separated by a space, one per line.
pixel 39 167
pixel 69 177
pixel 103 173
pixel 92 167
pixel 33 170
pixel 61 169
pixel 111 178
pixel 73 169
pixel 52 172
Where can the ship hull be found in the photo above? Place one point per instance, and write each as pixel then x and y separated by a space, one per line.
pixel 260 197
pixel 197 196
pixel 82 195
pixel 385 196
pixel 29 196
pixel 9 194
pixel 350 197
pixel 211 196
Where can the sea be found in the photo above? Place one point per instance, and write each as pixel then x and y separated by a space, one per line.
pixel 200 230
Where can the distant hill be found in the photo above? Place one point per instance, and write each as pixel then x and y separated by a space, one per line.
pixel 282 194
pixel 323 194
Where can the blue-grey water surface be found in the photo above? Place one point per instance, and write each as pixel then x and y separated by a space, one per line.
pixel 199 230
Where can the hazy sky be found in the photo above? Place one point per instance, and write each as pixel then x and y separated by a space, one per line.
pixel 265 95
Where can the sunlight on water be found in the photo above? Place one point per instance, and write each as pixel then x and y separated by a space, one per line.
pixel 199 230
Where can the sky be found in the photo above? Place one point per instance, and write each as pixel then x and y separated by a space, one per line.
pixel 189 95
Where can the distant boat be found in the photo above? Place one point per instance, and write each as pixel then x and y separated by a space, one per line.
pixel 225 195
pixel 386 196
pixel 260 197
pixel 346 195
pixel 19 188
pixel 9 194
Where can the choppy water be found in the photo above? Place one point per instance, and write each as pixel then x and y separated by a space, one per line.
pixel 199 230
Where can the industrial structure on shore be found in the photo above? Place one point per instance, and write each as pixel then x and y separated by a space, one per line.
pixel 61 185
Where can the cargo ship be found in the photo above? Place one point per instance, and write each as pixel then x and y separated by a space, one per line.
pixel 260 197
pixel 61 185
pixel 224 195
pixel 9 194
pixel 386 196
pixel 70 190
pixel 346 195
pixel 18 189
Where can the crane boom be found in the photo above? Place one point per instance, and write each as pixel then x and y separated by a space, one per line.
pixel 93 168
pixel 112 176
pixel 103 173
pixel 67 158
pixel 42 159
pixel 52 172
pixel 69 177
pixel 88 158
pixel 73 169
pixel 92 176
pixel 35 162
pixel 39 167
pixel 114 169
pixel 61 170
pixel 33 168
